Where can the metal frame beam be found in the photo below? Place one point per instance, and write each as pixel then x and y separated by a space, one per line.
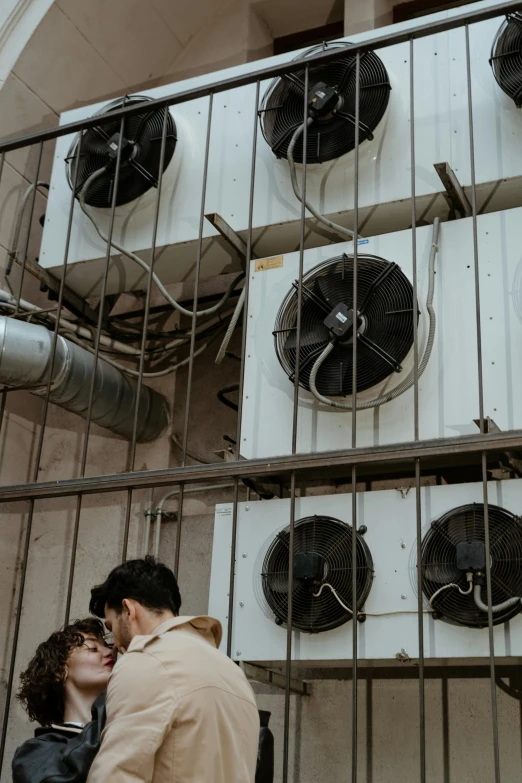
pixel 323 463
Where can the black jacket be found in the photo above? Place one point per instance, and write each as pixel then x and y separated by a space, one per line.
pixel 58 754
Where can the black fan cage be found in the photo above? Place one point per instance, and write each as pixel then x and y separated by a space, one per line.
pixel 140 157
pixel 439 563
pixel 282 108
pixel 385 330
pixel 331 539
pixel 506 57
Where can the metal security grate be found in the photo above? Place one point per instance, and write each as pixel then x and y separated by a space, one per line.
pixel 358 462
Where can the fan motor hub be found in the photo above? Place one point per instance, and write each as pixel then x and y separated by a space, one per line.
pixel 471 556
pixel 323 101
pixel 309 568
pixel 128 148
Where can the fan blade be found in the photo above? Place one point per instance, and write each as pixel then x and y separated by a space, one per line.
pixel 350 67
pixel 295 80
pixel 277 582
pixel 333 289
pixel 441 573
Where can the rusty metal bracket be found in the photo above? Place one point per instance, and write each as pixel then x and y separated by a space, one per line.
pixel 228 233
pixel 71 300
pixel 268 677
pixel 454 194
pixel 513 457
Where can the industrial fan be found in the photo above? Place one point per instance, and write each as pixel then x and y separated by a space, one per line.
pixel 384 324
pixel 331 102
pixel 322 574
pixel 454 565
pixel 506 57
pixel 140 154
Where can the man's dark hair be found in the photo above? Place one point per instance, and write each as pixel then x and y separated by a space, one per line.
pixel 150 583
pixel 42 683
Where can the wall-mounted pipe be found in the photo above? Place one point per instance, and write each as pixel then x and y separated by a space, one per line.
pixel 25 360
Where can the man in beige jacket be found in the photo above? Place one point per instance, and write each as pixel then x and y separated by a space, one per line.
pixel 178 710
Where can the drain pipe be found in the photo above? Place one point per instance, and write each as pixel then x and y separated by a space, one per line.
pixel 26 358
pixel 158 514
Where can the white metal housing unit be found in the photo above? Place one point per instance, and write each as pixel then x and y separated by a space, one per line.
pixel 448 388
pixel 392 636
pixel 385 164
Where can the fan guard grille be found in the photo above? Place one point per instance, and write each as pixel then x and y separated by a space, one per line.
pixel 466 523
pixel 387 322
pixel 332 540
pixel 506 57
pixel 282 106
pixel 137 174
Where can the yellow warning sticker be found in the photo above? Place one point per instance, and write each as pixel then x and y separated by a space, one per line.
pixel 262 264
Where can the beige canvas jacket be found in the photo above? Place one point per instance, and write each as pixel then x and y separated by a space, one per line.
pixel 178 711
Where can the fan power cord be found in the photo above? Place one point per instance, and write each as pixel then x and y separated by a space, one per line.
pixel 334 591
pixel 143 264
pixel 499 607
pixel 368 614
pixel 469 577
pixel 409 381
pixel 230 330
pixel 345 232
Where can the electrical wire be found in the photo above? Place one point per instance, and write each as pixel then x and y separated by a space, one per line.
pixel 143 264
pixel 368 614
pixel 128 370
pixel 191 454
pixel 345 232
pixel 446 587
pixel 232 325
pixel 410 379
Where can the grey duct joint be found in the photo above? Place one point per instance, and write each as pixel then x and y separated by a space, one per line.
pixel 26 359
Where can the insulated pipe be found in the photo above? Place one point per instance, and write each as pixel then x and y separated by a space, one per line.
pixel 26 358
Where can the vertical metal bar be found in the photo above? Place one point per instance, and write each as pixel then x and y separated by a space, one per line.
pixel 247 278
pixel 102 302
pixel 418 518
pixel 354 625
pixel 494 713
pixel 178 530
pixel 301 264
pixel 286 730
pixel 475 233
pixel 232 577
pixel 72 565
pixel 196 285
pixel 132 455
pixel 288 671
pixel 231 591
pixel 132 452
pixel 16 633
pixel 29 224
pixel 354 424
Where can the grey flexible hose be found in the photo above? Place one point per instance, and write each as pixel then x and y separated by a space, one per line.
pixel 232 325
pixel 409 381
pixel 210 311
pixel 293 176
pixel 499 607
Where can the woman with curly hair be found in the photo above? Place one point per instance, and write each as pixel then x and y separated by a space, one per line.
pixel 63 688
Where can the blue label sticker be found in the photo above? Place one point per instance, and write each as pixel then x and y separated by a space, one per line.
pixel 362 241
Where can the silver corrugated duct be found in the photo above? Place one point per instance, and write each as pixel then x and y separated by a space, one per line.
pixel 25 360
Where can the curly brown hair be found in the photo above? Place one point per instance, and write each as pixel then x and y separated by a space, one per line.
pixel 42 692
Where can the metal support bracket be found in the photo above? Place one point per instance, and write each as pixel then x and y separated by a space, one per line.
pixel 513 457
pixel 228 233
pixel 71 300
pixel 268 677
pixel 454 194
